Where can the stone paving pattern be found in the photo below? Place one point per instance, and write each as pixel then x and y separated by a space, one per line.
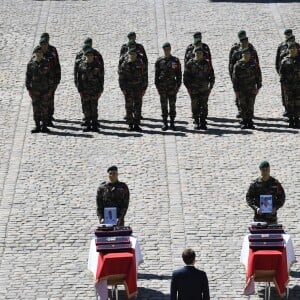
pixel 187 188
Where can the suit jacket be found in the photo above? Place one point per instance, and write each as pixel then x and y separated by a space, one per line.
pixel 189 283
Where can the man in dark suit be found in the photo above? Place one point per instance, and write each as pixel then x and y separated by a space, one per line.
pixel 189 283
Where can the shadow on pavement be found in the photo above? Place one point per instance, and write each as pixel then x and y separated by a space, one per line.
pixel 67 121
pixel 84 135
pixel 144 294
pixel 160 120
pixel 68 127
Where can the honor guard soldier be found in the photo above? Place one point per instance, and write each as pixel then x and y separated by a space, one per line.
pixel 199 79
pixel 133 81
pixel 39 84
pixel 51 54
pixel 265 185
pixel 113 193
pixel 90 78
pixel 290 81
pixel 235 55
pixel 189 52
pixel 168 81
pixel 246 79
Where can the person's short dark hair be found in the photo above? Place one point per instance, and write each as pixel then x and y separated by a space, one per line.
pixel 112 168
pixel 188 256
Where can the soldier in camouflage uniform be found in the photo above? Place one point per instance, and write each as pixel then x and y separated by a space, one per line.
pixel 168 81
pixel 265 185
pixel 90 78
pixel 199 79
pixel 133 81
pixel 88 43
pixel 235 55
pixel 39 85
pixel 290 81
pixel 51 54
pixel 189 52
pixel 246 79
pixel 113 194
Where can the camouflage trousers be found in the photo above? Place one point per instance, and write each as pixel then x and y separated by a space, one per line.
pixel 51 105
pixel 90 107
pixel 283 97
pixel 40 106
pixel 168 98
pixel 246 101
pixel 199 104
pixel 293 102
pixel 133 106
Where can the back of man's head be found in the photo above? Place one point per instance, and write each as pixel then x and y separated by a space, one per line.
pixel 188 256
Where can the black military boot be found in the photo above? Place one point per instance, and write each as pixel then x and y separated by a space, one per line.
pixel 297 122
pixel 50 123
pixel 88 126
pixel 172 123
pixel 95 126
pixel 203 124
pixel 137 127
pixel 244 124
pixel 165 126
pixel 130 127
pixel 250 124
pixel 37 127
pixel 197 123
pixel 291 122
pixel 45 129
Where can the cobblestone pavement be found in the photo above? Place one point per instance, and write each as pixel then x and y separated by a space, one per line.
pixel 187 188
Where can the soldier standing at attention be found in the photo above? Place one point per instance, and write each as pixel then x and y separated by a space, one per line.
pixel 189 52
pixel 282 52
pixel 90 86
pixel 290 81
pixel 199 79
pixel 133 81
pixel 246 79
pixel 51 54
pixel 168 81
pixel 235 55
pixel 265 185
pixel 112 193
pixel 39 85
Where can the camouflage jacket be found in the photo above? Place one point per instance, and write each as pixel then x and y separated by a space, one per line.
pixel 55 68
pixel 235 55
pixel 290 72
pixel 140 50
pixel 168 73
pixel 80 57
pixel 90 78
pixel 38 76
pixel 199 75
pixel 112 195
pixel 282 52
pixel 246 76
pixel 133 75
pixel 270 187
pixel 189 52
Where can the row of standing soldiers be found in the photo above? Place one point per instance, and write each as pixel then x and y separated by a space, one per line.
pixel 198 77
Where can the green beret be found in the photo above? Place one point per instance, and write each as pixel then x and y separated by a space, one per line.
pixel 245 50
pixel 112 168
pixel 130 34
pixel 196 41
pixel 198 49
pixel 45 34
pixel 288 31
pixel 43 40
pixel 88 41
pixel 88 50
pixel 131 43
pixel 132 50
pixel 290 38
pixel 166 45
pixel 197 34
pixel 241 33
pixel 292 45
pixel 36 49
pixel 264 164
